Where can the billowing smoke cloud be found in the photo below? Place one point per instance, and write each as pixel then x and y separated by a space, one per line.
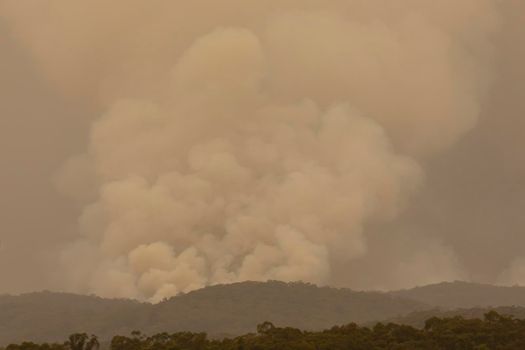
pixel 253 140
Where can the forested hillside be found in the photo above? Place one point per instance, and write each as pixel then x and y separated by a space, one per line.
pixel 239 307
pixel 219 310
pixel 50 316
pixel 231 310
pixel 451 295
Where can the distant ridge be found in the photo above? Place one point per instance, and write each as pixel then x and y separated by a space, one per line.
pixel 50 316
pixel 452 295
pixel 237 308
pixel 219 310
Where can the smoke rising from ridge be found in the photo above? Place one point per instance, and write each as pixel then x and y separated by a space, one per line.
pixel 252 140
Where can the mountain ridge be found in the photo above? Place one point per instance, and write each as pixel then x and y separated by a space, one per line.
pixel 461 294
pixel 235 309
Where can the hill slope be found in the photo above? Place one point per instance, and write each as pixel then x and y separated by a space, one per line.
pixel 237 308
pixel 452 295
pixel 225 309
pixel 50 316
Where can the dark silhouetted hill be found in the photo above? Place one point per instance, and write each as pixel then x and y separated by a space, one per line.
pixel 219 310
pixel 48 316
pixel 237 308
pixel 452 295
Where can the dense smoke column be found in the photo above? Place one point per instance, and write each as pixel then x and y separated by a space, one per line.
pixel 255 140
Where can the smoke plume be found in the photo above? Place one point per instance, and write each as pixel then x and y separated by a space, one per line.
pixel 252 140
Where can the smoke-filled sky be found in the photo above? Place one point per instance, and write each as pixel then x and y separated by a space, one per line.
pixel 155 147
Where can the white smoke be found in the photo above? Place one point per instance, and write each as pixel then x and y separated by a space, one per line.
pixel 251 139
pixel 514 274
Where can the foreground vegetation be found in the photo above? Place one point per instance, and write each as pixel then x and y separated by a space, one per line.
pixel 495 331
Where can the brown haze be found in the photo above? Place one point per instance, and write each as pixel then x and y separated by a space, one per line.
pixel 370 144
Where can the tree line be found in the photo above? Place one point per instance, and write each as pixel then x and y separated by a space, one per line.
pixel 494 331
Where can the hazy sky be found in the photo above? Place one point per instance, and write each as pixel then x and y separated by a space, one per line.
pixel 368 146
